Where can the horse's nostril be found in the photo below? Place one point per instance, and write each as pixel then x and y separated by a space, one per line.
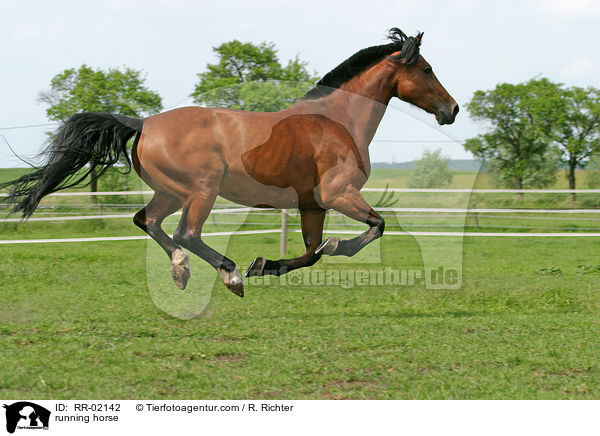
pixel 455 111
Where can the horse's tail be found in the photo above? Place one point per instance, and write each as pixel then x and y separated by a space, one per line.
pixel 97 140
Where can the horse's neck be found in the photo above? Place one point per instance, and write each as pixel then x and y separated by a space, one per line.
pixel 360 103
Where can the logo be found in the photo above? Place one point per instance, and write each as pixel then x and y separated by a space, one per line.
pixel 26 415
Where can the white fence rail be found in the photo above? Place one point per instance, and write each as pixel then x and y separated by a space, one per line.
pixel 329 232
pixel 425 212
pixel 285 213
pixel 487 191
pixel 407 190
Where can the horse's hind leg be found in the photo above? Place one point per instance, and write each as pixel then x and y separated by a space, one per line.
pixel 312 232
pixel 150 218
pixel 352 204
pixel 189 235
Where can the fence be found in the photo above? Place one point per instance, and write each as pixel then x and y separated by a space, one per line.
pixel 285 221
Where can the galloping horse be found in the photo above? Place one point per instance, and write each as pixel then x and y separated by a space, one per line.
pixel 312 156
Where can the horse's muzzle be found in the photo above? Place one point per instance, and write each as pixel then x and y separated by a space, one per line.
pixel 447 115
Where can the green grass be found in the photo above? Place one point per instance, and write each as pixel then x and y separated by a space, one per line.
pixel 77 321
pixel 94 320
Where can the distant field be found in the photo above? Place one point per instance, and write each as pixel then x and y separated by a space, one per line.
pixel 380 178
pixel 396 178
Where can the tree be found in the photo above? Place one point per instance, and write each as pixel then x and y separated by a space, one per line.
pixel 251 77
pixel 518 146
pixel 542 176
pixel 577 130
pixel 592 175
pixel 431 171
pixel 89 90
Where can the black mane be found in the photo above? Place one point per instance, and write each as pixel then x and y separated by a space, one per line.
pixel 359 61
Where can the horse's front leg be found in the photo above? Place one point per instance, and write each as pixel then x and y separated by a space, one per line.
pixel 312 232
pixel 352 204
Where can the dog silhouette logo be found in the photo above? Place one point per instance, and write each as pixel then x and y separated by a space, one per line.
pixel 26 415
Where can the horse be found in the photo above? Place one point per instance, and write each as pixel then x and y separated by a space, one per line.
pixel 312 156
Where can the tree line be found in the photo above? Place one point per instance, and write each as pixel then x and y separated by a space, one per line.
pixel 532 128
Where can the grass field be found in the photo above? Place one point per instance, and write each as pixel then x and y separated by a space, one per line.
pixel 79 320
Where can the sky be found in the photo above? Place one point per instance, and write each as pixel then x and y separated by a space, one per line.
pixel 472 45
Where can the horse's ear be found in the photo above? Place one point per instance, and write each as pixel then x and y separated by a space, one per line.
pixel 410 50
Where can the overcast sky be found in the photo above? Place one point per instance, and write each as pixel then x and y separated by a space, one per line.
pixel 470 44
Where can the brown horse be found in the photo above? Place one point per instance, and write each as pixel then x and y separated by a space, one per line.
pixel 312 156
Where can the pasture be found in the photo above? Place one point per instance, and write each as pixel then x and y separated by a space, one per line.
pixel 78 320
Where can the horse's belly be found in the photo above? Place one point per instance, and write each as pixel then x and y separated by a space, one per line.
pixel 245 190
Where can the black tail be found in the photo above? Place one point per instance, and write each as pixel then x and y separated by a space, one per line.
pixel 97 139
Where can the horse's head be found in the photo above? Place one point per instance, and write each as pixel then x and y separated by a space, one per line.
pixel 415 81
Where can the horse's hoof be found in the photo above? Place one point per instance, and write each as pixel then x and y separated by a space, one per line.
pixel 180 268
pixel 256 267
pixel 233 281
pixel 328 246
pixel 237 289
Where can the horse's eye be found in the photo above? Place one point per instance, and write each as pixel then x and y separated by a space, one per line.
pixel 428 70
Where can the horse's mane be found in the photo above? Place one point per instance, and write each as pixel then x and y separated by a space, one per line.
pixel 359 61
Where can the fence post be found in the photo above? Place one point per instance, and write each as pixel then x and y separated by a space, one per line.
pixel 284 226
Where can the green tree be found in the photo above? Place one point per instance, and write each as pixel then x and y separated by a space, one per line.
pixel 517 145
pixel 431 171
pixel 250 77
pixel 577 130
pixel 592 175
pixel 543 176
pixel 93 90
